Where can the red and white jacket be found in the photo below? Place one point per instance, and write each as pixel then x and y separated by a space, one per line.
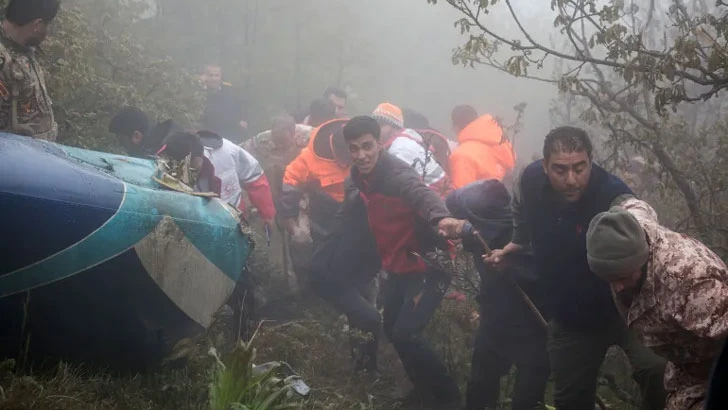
pixel 409 146
pixel 238 171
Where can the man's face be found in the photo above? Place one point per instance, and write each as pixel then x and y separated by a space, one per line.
pixel 628 285
pixel 365 153
pixel 212 77
pixel 282 138
pixel 569 173
pixel 37 32
pixel 340 104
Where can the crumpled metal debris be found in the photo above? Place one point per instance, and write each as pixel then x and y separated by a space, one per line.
pixel 178 176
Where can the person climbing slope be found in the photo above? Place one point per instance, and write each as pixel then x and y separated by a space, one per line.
pixel 405 217
pixel 482 152
pixel 409 146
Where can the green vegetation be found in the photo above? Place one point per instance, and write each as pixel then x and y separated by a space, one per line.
pixel 237 386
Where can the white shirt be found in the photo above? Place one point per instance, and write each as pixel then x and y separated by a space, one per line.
pixel 409 149
pixel 235 167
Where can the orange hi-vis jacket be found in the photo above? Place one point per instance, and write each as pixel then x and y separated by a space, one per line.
pixel 316 167
pixel 482 153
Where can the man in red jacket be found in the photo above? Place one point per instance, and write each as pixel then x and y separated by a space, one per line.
pixel 405 217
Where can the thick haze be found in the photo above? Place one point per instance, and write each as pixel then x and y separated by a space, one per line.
pixel 396 50
pixel 413 68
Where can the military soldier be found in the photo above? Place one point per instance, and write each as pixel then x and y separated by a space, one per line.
pixel 670 288
pixel 277 147
pixel 25 107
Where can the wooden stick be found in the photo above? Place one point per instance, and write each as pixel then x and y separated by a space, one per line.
pixel 523 294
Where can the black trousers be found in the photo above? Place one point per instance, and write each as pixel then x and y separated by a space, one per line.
pixel 576 356
pixel 357 302
pixel 410 300
pixel 499 346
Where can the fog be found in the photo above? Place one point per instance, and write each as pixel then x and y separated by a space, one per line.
pixel 411 66
pixel 287 52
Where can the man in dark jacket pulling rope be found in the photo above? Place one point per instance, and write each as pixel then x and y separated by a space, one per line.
pixel 556 199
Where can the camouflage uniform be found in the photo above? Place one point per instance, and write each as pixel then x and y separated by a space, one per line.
pixel 681 309
pixel 273 160
pixel 25 107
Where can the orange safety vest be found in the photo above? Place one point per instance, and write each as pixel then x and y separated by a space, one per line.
pixel 316 164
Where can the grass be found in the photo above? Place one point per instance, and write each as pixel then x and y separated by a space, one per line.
pixel 299 330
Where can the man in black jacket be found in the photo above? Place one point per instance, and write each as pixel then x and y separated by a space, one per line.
pixel 509 333
pixel 556 199
pixel 225 109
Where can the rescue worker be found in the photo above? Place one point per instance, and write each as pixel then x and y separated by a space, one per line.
pixel 344 273
pixel 408 145
pixel 239 172
pixel 554 202
pixel 25 106
pixel 314 181
pixel 432 138
pixel 671 290
pixel 414 120
pixel 336 96
pixel 405 216
pixel 482 152
pixel 186 150
pixel 277 147
pixel 509 333
pixel 285 133
pixel 321 111
pixel 131 127
pixel 224 107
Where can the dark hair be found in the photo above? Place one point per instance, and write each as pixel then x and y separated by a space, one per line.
pixel 335 91
pixel 359 126
pixel 321 111
pixel 128 120
pixel 180 144
pixel 463 115
pixel 22 12
pixel 566 139
pixel 414 120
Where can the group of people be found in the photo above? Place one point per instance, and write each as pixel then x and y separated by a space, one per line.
pixel 571 261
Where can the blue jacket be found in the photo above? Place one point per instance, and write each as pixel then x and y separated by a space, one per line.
pixel 576 297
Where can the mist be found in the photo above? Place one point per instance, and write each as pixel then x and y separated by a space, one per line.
pixel 380 50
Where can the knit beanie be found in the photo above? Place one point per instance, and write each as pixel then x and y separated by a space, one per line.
pixel 389 114
pixel 616 244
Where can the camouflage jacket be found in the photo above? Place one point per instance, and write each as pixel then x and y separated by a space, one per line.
pixel 25 107
pixel 273 160
pixel 681 310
